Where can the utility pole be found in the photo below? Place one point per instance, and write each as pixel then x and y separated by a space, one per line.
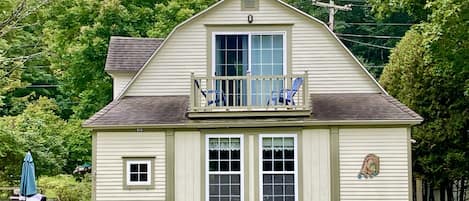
pixel 333 8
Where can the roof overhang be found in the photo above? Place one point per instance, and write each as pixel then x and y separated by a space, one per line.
pixel 251 124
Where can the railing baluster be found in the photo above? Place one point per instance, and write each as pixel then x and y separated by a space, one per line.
pixel 258 91
pixel 234 92
pixel 248 92
pixel 241 90
pixel 227 92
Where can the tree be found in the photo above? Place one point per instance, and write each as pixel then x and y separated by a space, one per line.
pixel 22 60
pixel 57 146
pixel 78 33
pixel 428 71
pixel 353 30
pixel 170 14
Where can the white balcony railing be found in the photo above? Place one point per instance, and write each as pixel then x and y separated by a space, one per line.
pixel 249 93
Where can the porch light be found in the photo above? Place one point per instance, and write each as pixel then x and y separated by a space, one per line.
pixel 250 19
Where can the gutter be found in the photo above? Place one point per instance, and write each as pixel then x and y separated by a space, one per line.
pixel 254 124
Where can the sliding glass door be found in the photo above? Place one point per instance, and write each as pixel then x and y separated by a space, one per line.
pixel 236 54
pixel 231 59
pixel 266 60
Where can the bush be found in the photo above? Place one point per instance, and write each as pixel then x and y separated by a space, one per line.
pixel 66 187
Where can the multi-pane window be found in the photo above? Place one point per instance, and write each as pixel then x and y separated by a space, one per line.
pixel 260 53
pixel 138 172
pixel 278 168
pixel 267 59
pixel 231 60
pixel 224 168
pixel 231 55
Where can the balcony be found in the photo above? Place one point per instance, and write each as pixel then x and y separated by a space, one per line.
pixel 248 96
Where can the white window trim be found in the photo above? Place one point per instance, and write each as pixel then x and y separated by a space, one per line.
pixel 295 158
pixel 284 33
pixel 241 157
pixel 149 172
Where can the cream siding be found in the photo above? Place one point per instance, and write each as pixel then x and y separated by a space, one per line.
pixel 111 147
pixel 119 81
pixel 331 68
pixel 187 166
pixel 316 165
pixel 390 144
pixel 252 168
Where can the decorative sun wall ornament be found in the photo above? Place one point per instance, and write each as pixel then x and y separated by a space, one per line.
pixel 370 167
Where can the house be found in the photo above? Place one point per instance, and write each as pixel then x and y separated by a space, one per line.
pixel 249 100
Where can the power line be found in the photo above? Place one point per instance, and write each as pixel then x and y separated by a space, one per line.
pixel 356 5
pixel 378 24
pixel 332 8
pixel 357 1
pixel 42 86
pixel 369 36
pixel 367 44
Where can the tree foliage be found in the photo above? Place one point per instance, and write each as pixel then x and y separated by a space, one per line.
pixel 77 35
pixel 22 61
pixel 57 146
pixel 372 51
pixel 171 13
pixel 64 43
pixel 429 71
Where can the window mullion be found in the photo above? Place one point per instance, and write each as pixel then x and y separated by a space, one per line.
pixel 249 53
pixel 279 184
pixel 223 182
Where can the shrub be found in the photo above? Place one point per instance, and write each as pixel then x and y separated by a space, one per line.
pixel 66 187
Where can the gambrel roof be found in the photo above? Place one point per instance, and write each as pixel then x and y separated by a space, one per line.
pixel 171 111
pixel 129 54
pixel 326 109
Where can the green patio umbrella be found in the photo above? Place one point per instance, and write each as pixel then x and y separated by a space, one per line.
pixel 28 179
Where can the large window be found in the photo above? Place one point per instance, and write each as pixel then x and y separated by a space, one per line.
pixel 278 168
pixel 225 167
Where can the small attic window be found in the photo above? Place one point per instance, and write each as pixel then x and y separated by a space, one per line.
pixel 250 5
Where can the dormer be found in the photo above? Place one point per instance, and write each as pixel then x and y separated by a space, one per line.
pixel 125 57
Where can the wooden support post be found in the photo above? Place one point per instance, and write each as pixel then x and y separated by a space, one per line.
pixel 418 189
pixel 306 90
pixel 332 8
pixel 193 94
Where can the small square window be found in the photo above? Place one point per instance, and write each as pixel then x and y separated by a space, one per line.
pixel 138 172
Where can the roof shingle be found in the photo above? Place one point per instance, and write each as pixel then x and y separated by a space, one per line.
pixel 158 110
pixel 128 54
pixel 360 107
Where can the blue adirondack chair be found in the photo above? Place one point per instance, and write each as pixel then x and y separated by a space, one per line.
pixel 219 96
pixel 290 93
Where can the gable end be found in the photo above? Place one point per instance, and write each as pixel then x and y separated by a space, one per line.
pixel 148 84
